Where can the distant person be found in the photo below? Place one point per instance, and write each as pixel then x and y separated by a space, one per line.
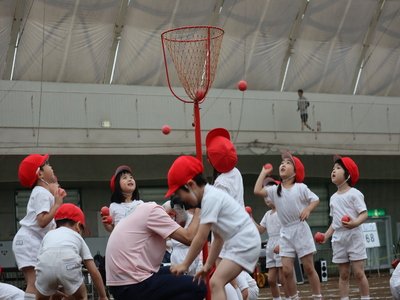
pixel 302 105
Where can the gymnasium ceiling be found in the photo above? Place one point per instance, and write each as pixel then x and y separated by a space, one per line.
pixel 322 46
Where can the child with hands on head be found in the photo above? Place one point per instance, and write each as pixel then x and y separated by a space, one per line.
pixel 124 198
pixel 228 221
pixel 347 236
pixel 35 172
pixel 60 258
pixel 294 202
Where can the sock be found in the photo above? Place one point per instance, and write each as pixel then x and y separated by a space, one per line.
pixel 316 297
pixel 29 296
pixel 345 298
pixel 295 297
pixel 277 298
pixel 365 297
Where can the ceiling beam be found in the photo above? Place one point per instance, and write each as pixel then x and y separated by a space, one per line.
pixel 292 40
pixel 118 27
pixel 369 35
pixel 15 29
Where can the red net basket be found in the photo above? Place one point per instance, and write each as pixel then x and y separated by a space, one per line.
pixel 194 51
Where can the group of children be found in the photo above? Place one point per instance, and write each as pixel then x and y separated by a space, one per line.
pixel 51 259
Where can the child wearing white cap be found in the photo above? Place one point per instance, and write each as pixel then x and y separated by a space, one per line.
pixel 46 197
pixel 61 255
pixel 348 212
pixel 294 202
pixel 125 196
pixel 229 222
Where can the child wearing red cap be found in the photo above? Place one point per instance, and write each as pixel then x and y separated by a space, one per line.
pixel 294 202
pixel 347 236
pixel 61 255
pixel 124 198
pixel 229 222
pixel 222 156
pixel 35 172
pixel 271 224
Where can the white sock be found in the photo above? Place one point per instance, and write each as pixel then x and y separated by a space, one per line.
pixel 29 296
pixel 295 297
pixel 277 298
pixel 316 297
pixel 365 297
pixel 345 298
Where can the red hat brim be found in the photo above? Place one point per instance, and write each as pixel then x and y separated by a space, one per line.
pixel 215 133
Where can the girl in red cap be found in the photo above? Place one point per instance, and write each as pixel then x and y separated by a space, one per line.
pixel 124 198
pixel 229 222
pixel 61 255
pixel 35 172
pixel 294 202
pixel 348 212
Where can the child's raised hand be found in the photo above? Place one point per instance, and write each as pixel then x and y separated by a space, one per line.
pixel 267 169
pixel 178 269
pixel 59 195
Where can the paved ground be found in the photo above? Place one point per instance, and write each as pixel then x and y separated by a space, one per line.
pixel 379 288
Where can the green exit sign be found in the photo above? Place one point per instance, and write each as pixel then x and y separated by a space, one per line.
pixel 378 212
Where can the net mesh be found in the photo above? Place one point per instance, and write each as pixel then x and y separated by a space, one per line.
pixel 194 52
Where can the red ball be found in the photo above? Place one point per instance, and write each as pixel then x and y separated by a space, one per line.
pixel 105 211
pixel 319 237
pixel 268 166
pixel 200 94
pixel 249 210
pixel 346 218
pixel 166 129
pixel 109 220
pixel 242 85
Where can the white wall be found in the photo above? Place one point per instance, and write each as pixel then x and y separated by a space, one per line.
pixel 66 119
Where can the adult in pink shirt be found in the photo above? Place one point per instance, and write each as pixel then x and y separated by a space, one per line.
pixel 134 253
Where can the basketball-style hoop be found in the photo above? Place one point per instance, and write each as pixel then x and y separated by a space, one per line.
pixel 194 51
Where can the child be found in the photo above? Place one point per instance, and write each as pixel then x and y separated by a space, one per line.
pixel 294 202
pixel 46 197
pixel 228 221
pixel 222 156
pixel 124 198
pixel 347 237
pixel 60 258
pixel 248 286
pixel 270 223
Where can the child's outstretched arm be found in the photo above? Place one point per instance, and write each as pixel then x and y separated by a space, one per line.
pixel 357 221
pixel 45 218
pixel 258 187
pixel 97 280
pixel 307 211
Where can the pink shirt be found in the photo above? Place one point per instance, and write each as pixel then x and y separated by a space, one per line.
pixel 137 245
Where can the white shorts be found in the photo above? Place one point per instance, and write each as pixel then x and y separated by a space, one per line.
pixel 243 248
pixel 297 239
pixel 272 260
pixel 58 267
pixel 348 245
pixel 26 248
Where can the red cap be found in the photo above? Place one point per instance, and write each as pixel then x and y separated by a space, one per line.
pixel 351 167
pixel 29 167
pixel 117 171
pixel 71 212
pixel 298 166
pixel 182 170
pixel 220 150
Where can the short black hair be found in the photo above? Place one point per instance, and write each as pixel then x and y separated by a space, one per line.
pixel 199 179
pixel 64 222
pixel 117 195
pixel 300 91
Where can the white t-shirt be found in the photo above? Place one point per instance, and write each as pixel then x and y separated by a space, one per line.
pixel 10 292
pixel 232 183
pixel 245 281
pixel 271 222
pixel 65 238
pixel 350 203
pixel 395 283
pixel 291 202
pixel 227 216
pixel 40 200
pixel 119 211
